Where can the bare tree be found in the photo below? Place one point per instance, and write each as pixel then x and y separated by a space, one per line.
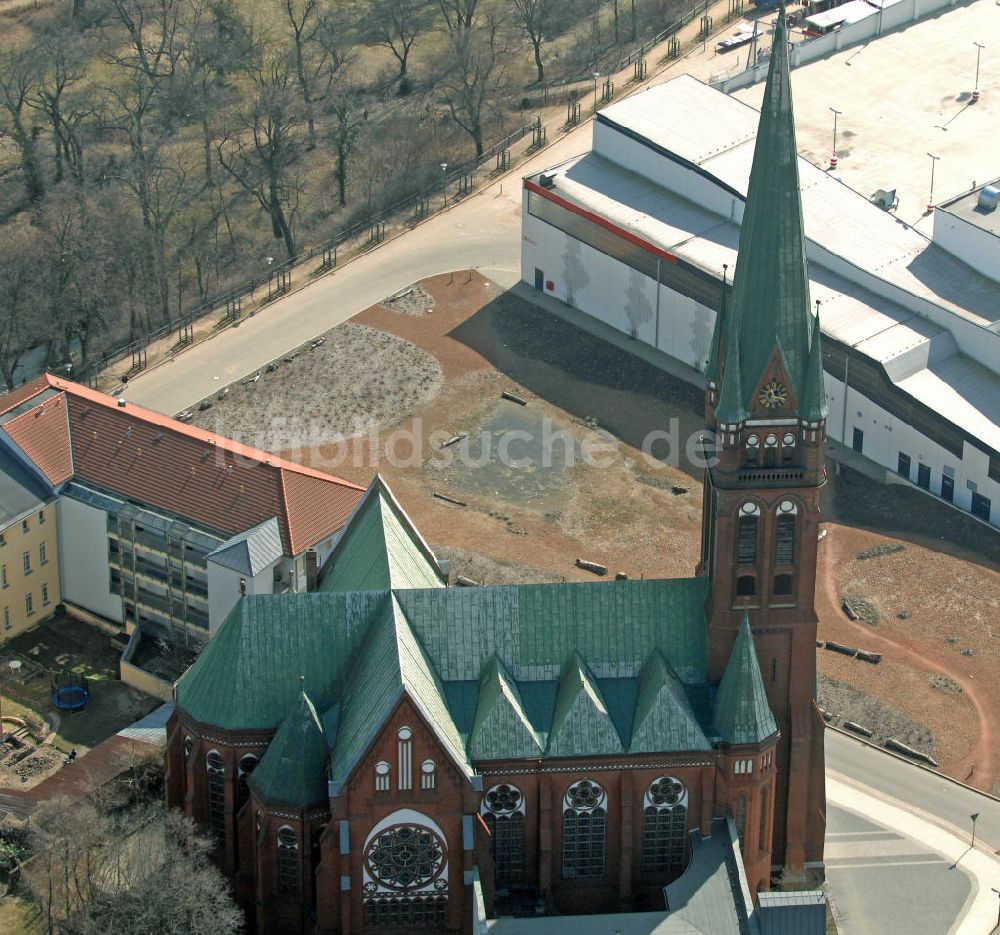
pixel 130 871
pixel 19 285
pixel 344 137
pixel 62 65
pixel 262 147
pixel 539 21
pixel 458 14
pixel 471 83
pixel 396 25
pixel 319 49
pixel 18 84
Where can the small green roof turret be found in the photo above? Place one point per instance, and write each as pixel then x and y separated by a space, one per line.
pixel 293 768
pixel 742 714
pixel 812 407
pixel 768 310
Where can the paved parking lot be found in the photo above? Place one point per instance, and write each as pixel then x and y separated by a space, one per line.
pixel 884 882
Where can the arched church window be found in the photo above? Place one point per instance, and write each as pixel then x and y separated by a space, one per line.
pixel 585 818
pixel 784 533
pixel 405 872
pixel 763 842
pixel 405 777
pixel 216 768
pixel 788 447
pixel 248 763
pixel 740 816
pixel 188 747
pixel 428 774
pixel 503 812
pixel 752 448
pixel 288 861
pixel 382 774
pixel 664 828
pixel 784 585
pixel 746 538
pixel 770 450
pixel 746 586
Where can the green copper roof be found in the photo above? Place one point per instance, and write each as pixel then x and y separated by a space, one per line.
pixel 486 667
pixel 380 548
pixel 813 406
pixel 390 663
pixel 535 628
pixel 742 714
pixel 501 728
pixel 581 725
pixel 769 308
pixel 292 769
pixel 247 675
pixel 663 717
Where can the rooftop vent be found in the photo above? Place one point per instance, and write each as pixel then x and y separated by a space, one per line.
pixel 205 455
pixel 989 198
pixel 547 180
pixel 158 437
pixel 121 402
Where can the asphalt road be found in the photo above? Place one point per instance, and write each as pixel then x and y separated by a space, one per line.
pixel 933 797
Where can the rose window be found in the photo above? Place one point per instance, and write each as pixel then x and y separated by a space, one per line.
pixel 405 857
pixel 584 796
pixel 665 793
pixel 503 799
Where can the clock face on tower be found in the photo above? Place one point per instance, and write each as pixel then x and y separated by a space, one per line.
pixel 772 394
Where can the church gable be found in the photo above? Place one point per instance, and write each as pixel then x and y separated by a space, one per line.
pixel 663 718
pixel 581 724
pixel 501 729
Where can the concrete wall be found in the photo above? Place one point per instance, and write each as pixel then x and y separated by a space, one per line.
pixel 971 244
pixel 224 591
pixel 607 289
pixel 83 559
pixel 622 297
pixel 899 14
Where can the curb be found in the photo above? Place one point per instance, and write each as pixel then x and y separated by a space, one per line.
pixel 903 759
pixel 647 82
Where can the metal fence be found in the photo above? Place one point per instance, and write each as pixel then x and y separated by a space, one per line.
pixel 369 231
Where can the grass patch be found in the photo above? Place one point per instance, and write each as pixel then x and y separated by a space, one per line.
pixel 19 916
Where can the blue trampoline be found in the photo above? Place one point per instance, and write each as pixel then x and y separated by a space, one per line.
pixel 70 692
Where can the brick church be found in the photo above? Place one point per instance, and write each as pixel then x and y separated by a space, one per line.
pixel 386 752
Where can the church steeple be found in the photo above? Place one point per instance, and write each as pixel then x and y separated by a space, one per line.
pixel 766 409
pixel 768 317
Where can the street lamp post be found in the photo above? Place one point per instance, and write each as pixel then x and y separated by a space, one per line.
pixel 444 183
pixel 597 75
pixel 975 89
pixel 833 156
pixel 995 890
pixel 974 816
pixel 930 200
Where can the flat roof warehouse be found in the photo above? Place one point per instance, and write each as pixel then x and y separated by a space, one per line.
pixel 887 292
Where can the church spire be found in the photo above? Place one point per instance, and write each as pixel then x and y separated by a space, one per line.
pixel 768 310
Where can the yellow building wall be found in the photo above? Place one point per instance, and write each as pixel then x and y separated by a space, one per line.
pixel 36 536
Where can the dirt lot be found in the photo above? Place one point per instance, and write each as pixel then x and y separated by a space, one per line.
pixel 592 493
pixel 53 649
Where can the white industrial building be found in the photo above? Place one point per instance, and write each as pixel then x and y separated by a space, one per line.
pixel 911 335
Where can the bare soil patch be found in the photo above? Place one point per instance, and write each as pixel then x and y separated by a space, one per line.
pixel 845 703
pixel 933 597
pixel 352 380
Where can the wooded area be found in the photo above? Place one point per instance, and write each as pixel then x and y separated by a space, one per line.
pixel 156 152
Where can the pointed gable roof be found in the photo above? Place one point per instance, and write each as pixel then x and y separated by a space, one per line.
pixel 663 718
pixel 501 729
pixel 770 296
pixel 380 548
pixel 389 663
pixel 252 551
pixel 42 433
pixel 293 768
pixel 742 714
pixel 581 725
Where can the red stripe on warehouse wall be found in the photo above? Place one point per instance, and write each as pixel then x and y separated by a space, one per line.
pixel 601 222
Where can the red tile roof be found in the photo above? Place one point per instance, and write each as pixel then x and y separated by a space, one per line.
pixel 25 391
pixel 42 434
pixel 151 458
